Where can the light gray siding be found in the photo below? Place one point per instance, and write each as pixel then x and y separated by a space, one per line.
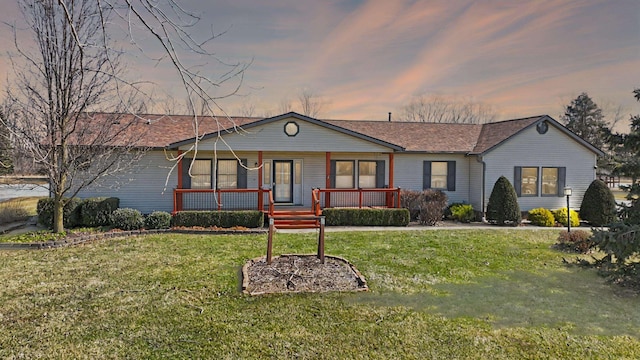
pixel 552 149
pixel 271 137
pixel 475 183
pixel 408 173
pixel 142 187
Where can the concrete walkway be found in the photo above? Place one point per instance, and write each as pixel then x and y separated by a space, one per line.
pixel 445 225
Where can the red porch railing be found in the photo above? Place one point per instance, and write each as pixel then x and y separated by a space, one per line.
pixel 259 199
pixel 389 198
pixel 222 199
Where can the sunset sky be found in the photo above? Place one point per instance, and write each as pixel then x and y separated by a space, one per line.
pixel 367 58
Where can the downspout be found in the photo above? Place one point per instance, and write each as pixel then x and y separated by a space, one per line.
pixel 480 159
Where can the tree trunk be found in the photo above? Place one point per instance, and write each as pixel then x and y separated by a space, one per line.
pixel 58 214
pixel 58 200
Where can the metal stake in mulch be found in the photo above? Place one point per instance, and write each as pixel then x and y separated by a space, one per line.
pixel 272 229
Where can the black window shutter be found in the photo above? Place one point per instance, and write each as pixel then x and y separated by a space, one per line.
pixel 426 175
pixel 517 180
pixel 451 176
pixel 562 180
pixel 380 174
pixel 332 175
pixel 186 179
pixel 242 174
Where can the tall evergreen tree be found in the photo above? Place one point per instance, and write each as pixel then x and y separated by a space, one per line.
pixel 584 118
pixel 627 148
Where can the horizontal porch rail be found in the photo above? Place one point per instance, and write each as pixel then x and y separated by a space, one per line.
pixel 360 198
pixel 221 199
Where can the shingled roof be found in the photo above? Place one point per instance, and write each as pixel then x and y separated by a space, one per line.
pixel 164 131
pixel 160 131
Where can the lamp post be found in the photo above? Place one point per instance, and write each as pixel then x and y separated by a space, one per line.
pixel 567 193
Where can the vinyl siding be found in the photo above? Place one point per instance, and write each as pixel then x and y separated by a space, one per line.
pixel 271 137
pixel 475 183
pixel 408 173
pixel 553 149
pixel 142 187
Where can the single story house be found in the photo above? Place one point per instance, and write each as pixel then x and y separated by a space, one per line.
pixel 354 163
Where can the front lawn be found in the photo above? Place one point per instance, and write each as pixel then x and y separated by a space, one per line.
pixel 482 294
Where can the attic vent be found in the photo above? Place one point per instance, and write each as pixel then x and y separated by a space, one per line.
pixel 542 127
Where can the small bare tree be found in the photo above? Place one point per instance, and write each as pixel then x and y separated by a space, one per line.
pixel 75 71
pixel 441 109
pixel 310 103
pixel 54 89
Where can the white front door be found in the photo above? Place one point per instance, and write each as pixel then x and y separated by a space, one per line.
pixel 283 181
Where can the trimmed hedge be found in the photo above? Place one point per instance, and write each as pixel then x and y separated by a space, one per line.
pixel 366 217
pixel 224 219
pixel 71 212
pixel 541 217
pixel 127 219
pixel 97 211
pixel 158 220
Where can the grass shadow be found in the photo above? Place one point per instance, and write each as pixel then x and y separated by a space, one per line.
pixel 577 301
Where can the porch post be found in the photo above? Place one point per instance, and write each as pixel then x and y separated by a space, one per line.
pixel 327 195
pixel 260 196
pixel 177 203
pixel 390 170
pixel 179 170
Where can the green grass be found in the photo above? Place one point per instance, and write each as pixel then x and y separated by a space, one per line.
pixel 490 294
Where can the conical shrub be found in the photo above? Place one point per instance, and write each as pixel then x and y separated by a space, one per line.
pixel 598 204
pixel 503 208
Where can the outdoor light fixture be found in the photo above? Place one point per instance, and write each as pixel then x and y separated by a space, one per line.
pixel 567 193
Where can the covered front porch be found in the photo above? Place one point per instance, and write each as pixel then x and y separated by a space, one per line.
pixel 270 181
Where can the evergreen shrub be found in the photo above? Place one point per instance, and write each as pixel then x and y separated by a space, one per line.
pixel 598 204
pixel 621 243
pixel 503 208
pixel 461 212
pixel 97 211
pixel 127 219
pixel 561 216
pixel 223 219
pixel 158 220
pixel 366 217
pixel 541 217
pixel 71 212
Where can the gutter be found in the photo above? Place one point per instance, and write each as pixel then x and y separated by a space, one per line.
pixel 480 159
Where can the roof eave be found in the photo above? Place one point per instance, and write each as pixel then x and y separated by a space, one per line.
pixel 553 122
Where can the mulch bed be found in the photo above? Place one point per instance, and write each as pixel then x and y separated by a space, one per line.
pixel 300 273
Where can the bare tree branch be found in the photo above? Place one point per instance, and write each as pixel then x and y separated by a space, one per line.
pixel 440 109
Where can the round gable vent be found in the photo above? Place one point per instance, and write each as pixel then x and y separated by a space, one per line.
pixel 542 127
